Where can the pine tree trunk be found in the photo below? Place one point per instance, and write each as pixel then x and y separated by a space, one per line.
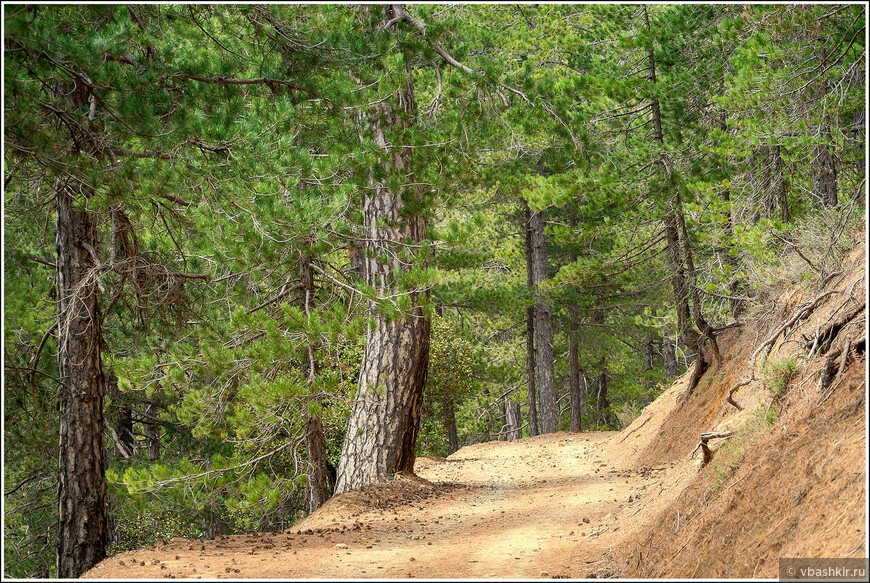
pixel 382 432
pixel 544 378
pixel 649 354
pixel 608 419
pixel 679 254
pixel 825 178
pixel 727 257
pixel 513 420
pixel 318 474
pixel 83 522
pixel 315 441
pixel 575 393
pixel 530 329
pixel 452 433
pixel 669 355
pixel 577 397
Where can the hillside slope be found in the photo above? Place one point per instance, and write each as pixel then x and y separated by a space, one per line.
pixel 789 480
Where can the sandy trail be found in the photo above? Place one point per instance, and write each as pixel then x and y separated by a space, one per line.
pixel 547 506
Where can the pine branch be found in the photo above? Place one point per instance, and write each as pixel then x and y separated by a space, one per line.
pixel 238 81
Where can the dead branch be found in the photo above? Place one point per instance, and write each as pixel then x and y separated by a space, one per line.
pixel 42 261
pixel 282 293
pixel 702 443
pixel 35 363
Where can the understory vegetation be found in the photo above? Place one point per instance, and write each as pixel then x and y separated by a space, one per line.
pixel 582 196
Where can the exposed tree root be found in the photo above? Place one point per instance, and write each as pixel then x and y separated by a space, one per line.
pixel 825 337
pixel 701 365
pixel 828 376
pixel 702 443
pixel 801 312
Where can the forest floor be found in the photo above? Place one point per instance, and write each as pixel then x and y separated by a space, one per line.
pixel 789 481
pixel 547 506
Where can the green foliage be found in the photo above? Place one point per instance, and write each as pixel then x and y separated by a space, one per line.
pixel 238 184
pixel 451 362
pixel 450 382
pixel 777 375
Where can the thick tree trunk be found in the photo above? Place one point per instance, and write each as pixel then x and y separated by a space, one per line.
pixel 544 378
pixel 83 522
pixel 385 418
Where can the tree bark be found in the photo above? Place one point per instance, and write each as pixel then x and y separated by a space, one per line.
pixel 576 382
pixel 727 257
pixel 825 177
pixel 669 355
pixel 318 474
pixel 649 354
pixel 513 421
pixel 608 419
pixel 385 418
pixel 315 441
pixel 576 395
pixel 530 329
pixel 452 433
pixel 83 521
pixel 544 378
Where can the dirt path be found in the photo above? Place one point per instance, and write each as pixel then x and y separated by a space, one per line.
pixel 548 506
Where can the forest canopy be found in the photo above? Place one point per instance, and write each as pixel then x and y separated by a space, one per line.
pixel 258 255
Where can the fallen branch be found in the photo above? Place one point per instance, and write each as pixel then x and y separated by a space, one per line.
pixel 702 443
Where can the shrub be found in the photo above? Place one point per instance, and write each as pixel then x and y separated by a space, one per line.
pixel 777 376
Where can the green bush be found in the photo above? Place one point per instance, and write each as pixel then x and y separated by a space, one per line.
pixel 777 375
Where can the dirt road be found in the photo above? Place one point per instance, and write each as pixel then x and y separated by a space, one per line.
pixel 548 506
